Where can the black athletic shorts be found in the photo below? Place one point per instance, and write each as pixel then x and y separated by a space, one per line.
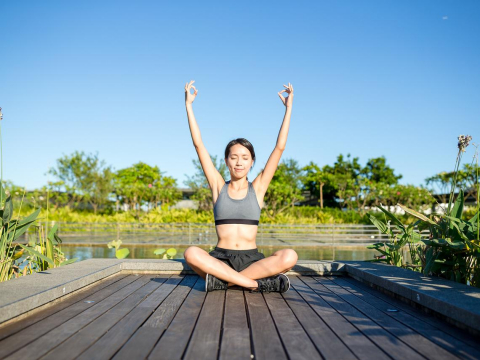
pixel 237 259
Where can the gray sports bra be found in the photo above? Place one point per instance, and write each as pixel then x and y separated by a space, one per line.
pixel 237 211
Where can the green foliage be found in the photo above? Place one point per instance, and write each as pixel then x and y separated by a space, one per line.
pixel 316 179
pixel 378 171
pixel 199 184
pixel 167 254
pixel 119 253
pixel 295 215
pixel 452 249
pixel 466 179
pixel 85 178
pixel 285 189
pixel 82 181
pixel 347 184
pixel 42 251
pixel 399 235
pixel 142 184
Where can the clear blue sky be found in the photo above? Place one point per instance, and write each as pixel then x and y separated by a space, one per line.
pixel 371 78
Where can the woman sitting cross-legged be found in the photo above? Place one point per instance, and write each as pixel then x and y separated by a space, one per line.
pixel 237 206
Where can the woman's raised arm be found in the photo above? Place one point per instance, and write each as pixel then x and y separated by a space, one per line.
pixel 211 173
pixel 263 179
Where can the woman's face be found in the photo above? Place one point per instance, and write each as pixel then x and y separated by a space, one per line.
pixel 239 161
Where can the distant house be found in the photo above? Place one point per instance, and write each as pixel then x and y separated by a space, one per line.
pixel 186 202
pixel 440 206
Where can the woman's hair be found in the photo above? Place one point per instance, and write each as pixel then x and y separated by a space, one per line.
pixel 243 142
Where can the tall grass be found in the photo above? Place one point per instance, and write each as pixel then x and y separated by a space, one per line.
pixel 452 249
pixel 43 249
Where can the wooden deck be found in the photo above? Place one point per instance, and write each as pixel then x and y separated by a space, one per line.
pixel 171 317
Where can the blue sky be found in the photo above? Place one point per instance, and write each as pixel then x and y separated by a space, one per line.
pixel 371 78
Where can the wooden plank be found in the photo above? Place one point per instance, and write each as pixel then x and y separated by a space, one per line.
pixel 324 339
pixel 265 339
pixel 416 341
pixel 175 339
pixel 295 340
pixel 53 338
pixel 84 338
pixel 235 342
pixel 430 319
pixel 54 307
pixel 415 319
pixel 383 339
pixel 205 341
pixel 33 332
pixel 356 341
pixel 119 334
pixel 145 338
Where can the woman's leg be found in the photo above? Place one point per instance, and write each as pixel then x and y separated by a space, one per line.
pixel 202 263
pixel 279 262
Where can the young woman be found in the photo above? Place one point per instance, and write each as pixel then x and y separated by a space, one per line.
pixel 237 205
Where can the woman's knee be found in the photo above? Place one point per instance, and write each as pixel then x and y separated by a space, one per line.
pixel 192 254
pixel 288 258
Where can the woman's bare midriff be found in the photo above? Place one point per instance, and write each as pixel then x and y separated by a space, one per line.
pixel 237 236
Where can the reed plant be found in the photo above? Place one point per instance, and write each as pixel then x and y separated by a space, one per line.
pixel 43 248
pixel 452 247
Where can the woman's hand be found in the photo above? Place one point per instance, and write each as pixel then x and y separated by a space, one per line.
pixel 188 96
pixel 287 101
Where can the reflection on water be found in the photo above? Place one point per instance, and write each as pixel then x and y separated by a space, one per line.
pixel 146 252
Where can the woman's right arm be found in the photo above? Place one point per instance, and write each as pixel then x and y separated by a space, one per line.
pixel 213 176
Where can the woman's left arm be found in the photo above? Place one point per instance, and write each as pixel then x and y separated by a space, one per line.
pixel 263 179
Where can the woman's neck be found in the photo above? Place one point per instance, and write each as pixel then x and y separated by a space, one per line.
pixel 238 184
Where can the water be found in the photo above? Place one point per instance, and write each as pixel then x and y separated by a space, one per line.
pixel 145 251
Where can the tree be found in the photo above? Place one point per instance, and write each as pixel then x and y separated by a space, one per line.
pixel 467 179
pixel 286 187
pixel 84 177
pixel 346 180
pixel 317 181
pixel 199 184
pixel 53 193
pixel 440 184
pixel 134 185
pixel 102 189
pixel 378 171
pixel 356 187
pixel 166 191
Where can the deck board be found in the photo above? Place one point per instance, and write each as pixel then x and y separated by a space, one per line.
pixel 118 335
pixel 31 333
pixel 357 342
pixel 392 346
pixel 175 338
pixel 90 334
pixel 406 334
pixel 145 338
pixel 296 341
pixel 57 306
pixel 265 338
pixel 439 332
pixel 171 317
pixel 59 334
pixel 205 340
pixel 328 344
pixel 235 342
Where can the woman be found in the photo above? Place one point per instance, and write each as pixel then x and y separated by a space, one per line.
pixel 237 205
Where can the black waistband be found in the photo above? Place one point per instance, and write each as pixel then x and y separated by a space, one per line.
pixel 236 221
pixel 232 251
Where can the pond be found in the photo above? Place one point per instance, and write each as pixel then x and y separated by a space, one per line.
pixel 145 251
